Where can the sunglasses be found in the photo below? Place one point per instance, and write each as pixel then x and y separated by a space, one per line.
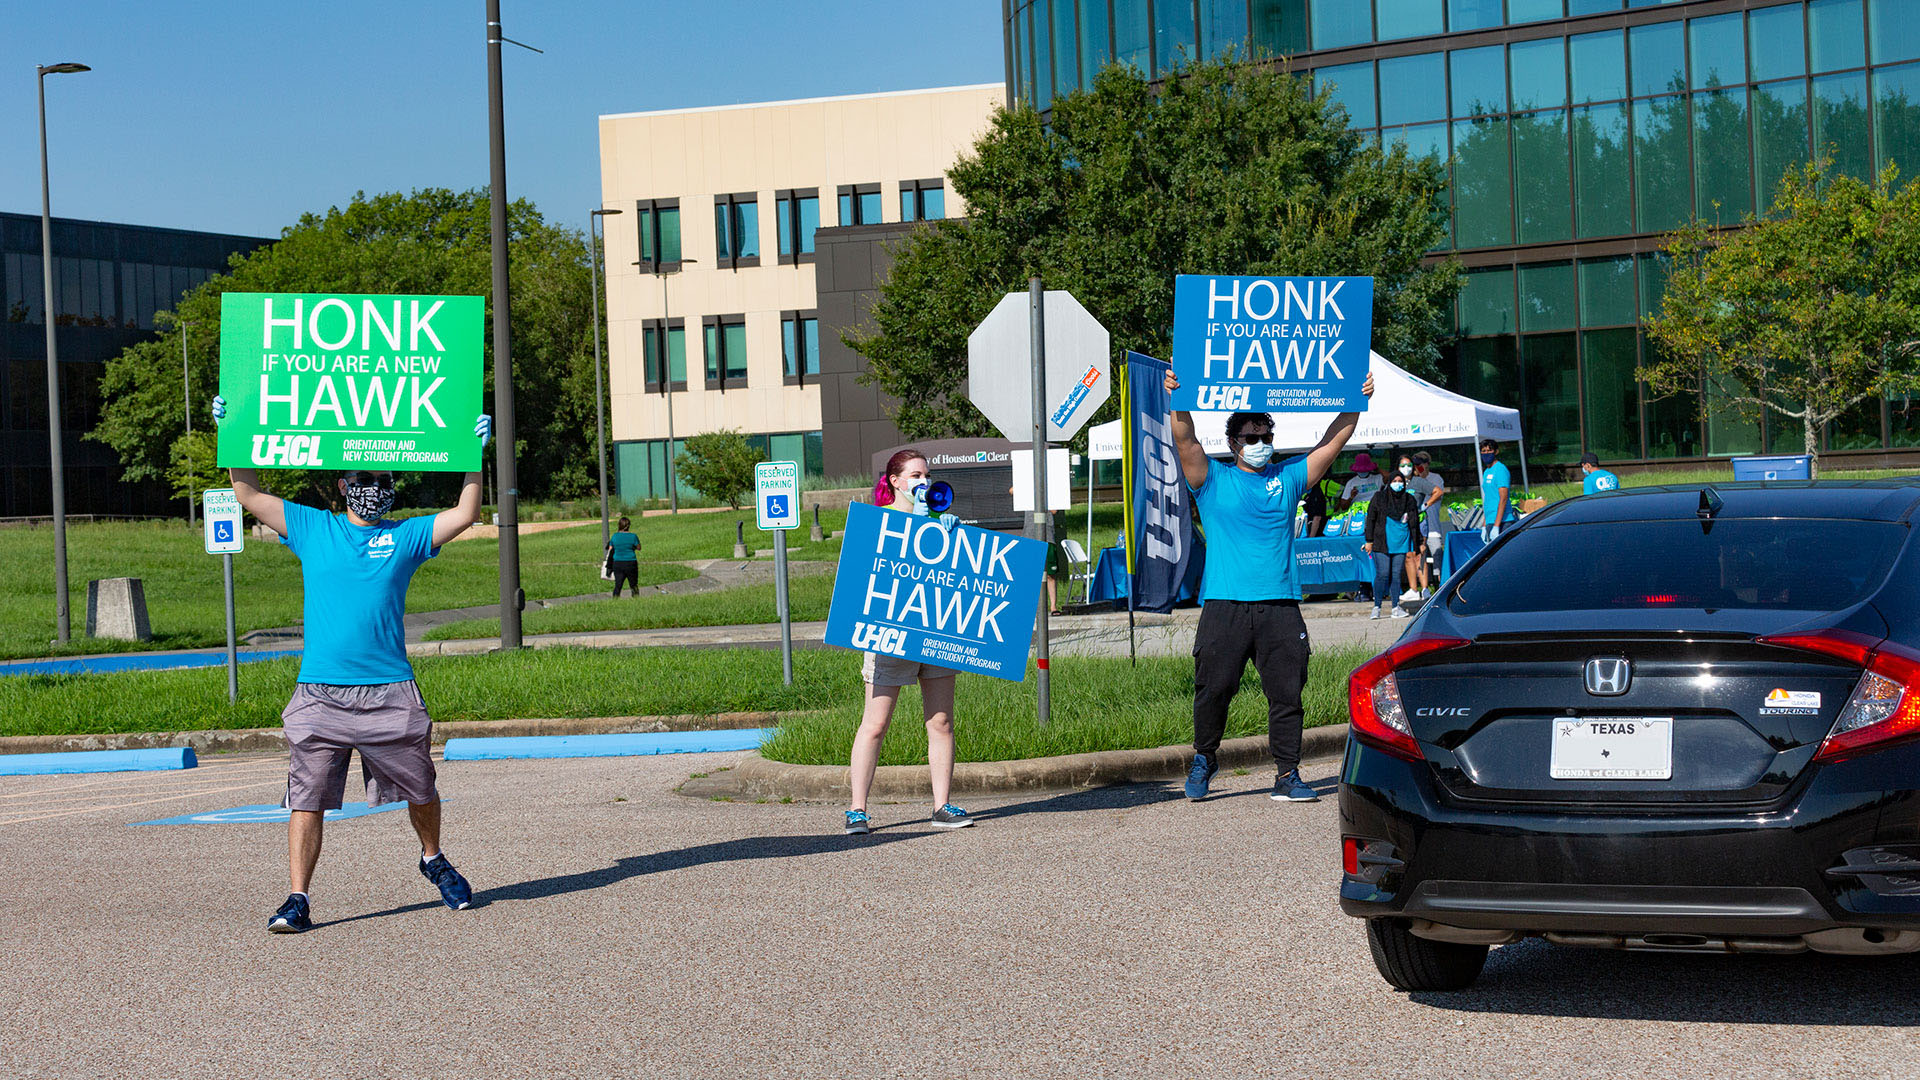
pixel 367 479
pixel 1266 438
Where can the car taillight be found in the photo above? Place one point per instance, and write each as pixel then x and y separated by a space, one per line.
pixel 1885 706
pixel 1350 854
pixel 1373 697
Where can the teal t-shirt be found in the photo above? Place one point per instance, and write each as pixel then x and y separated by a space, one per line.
pixel 1600 480
pixel 626 547
pixel 356 580
pixel 1248 519
pixel 1492 479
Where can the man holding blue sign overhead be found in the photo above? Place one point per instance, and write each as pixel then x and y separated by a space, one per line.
pixel 1249 592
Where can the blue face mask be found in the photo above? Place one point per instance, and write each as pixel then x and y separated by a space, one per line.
pixel 1256 455
pixel 1487 459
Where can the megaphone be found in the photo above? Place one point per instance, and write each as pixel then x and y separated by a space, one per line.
pixel 938 496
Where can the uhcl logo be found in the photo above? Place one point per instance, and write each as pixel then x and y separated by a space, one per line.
pixel 880 639
pixel 286 450
pixel 381 546
pixel 1224 398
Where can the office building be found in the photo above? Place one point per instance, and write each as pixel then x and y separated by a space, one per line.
pixel 1577 132
pixel 108 282
pixel 713 306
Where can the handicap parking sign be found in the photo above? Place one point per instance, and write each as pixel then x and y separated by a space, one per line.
pixel 222 517
pixel 776 487
pixel 223 532
pixel 776 506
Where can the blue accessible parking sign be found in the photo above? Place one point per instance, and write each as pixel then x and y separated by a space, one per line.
pixel 776 506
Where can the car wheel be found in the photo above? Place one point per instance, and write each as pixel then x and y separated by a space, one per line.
pixel 1414 963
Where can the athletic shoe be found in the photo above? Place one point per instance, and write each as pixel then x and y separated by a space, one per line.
pixel 1198 776
pixel 1399 612
pixel 1410 594
pixel 951 817
pixel 292 918
pixel 1288 787
pixel 1375 613
pixel 857 824
pixel 453 888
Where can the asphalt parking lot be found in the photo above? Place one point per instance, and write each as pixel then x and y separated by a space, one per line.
pixel 625 930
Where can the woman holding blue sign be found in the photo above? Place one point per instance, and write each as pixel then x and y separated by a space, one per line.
pixel 906 485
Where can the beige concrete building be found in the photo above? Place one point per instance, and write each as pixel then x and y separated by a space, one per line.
pixel 711 261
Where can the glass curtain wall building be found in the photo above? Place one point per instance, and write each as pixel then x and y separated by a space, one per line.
pixel 1576 133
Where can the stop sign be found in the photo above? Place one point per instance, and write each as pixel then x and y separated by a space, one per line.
pixel 1000 366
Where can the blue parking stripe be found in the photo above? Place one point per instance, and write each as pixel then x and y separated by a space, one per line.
pixel 91 761
pixel 578 746
pixel 101 665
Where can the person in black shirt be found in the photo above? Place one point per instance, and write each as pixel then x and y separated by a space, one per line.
pixel 1393 523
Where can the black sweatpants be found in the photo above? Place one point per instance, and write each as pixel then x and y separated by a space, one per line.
pixel 1272 634
pixel 626 573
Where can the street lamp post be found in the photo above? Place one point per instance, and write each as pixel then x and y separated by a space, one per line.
pixel 186 398
pixel 56 461
pixel 505 469
pixel 599 396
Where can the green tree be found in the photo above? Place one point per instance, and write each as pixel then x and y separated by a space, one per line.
pixel 433 241
pixel 719 465
pixel 190 471
pixel 1228 167
pixel 1804 313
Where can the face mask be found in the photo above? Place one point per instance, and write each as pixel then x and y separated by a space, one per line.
pixel 1487 459
pixel 1406 470
pixel 1398 486
pixel 369 502
pixel 1256 455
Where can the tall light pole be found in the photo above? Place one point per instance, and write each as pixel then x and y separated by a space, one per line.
pixel 666 382
pixel 56 461
pixel 186 398
pixel 599 396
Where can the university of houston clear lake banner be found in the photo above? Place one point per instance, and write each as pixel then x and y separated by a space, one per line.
pixel 963 598
pixel 318 381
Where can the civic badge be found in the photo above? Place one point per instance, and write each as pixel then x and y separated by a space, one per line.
pixel 1609 676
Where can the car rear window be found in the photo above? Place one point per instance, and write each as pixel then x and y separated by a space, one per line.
pixel 1783 563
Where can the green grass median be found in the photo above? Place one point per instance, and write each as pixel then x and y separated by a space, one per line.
pixel 808 598
pixel 1098 703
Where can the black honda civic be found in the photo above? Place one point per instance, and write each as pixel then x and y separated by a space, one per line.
pixel 1678 718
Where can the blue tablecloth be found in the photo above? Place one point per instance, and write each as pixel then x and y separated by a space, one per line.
pixel 1324 565
pixel 1110 581
pixel 1461 545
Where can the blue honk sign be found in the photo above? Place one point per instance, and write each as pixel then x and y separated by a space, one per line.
pixel 1261 343
pixel 963 598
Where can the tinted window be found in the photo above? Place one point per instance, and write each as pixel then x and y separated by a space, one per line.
pixel 1799 564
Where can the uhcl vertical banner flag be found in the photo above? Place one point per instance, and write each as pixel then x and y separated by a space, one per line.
pixel 316 381
pixel 963 598
pixel 1161 543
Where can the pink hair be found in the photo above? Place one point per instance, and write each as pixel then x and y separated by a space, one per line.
pixel 897 464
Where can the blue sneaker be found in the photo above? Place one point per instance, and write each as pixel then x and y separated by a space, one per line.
pixel 1198 776
pixel 951 817
pixel 292 918
pixel 857 824
pixel 1288 787
pixel 453 888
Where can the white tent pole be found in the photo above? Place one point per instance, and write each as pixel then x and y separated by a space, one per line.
pixel 1090 467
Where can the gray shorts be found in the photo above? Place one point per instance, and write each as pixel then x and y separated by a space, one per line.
pixel 881 670
pixel 386 722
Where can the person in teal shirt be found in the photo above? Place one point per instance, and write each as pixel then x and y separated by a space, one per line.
pixel 1496 492
pixel 623 557
pixel 1598 479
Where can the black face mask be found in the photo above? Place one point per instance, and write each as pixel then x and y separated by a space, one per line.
pixel 369 502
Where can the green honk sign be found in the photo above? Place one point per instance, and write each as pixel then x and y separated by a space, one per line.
pixel 317 381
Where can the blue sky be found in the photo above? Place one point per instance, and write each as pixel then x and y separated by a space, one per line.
pixel 239 115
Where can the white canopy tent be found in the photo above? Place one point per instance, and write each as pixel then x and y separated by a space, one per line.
pixel 1406 410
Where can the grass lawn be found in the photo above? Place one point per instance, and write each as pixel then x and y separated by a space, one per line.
pixel 808 596
pixel 184 596
pixel 1098 704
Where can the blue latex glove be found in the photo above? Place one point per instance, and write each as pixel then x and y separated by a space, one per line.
pixel 483 428
pixel 219 409
pixel 948 521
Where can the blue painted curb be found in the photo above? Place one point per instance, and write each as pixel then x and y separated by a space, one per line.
pixel 103 665
pixel 268 814
pixel 86 761
pixel 579 746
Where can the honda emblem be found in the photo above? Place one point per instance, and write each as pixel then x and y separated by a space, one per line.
pixel 1609 676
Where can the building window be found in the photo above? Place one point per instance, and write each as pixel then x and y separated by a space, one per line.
pixel 659 224
pixel 800 346
pixel 796 214
pixel 676 352
pixel 923 200
pixel 860 204
pixel 726 351
pixel 736 230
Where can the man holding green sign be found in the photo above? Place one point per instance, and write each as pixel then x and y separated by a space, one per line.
pixel 363 384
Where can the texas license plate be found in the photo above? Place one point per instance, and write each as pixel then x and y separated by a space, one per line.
pixel 1617 748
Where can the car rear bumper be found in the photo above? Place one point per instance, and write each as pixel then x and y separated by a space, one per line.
pixel 1720 872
